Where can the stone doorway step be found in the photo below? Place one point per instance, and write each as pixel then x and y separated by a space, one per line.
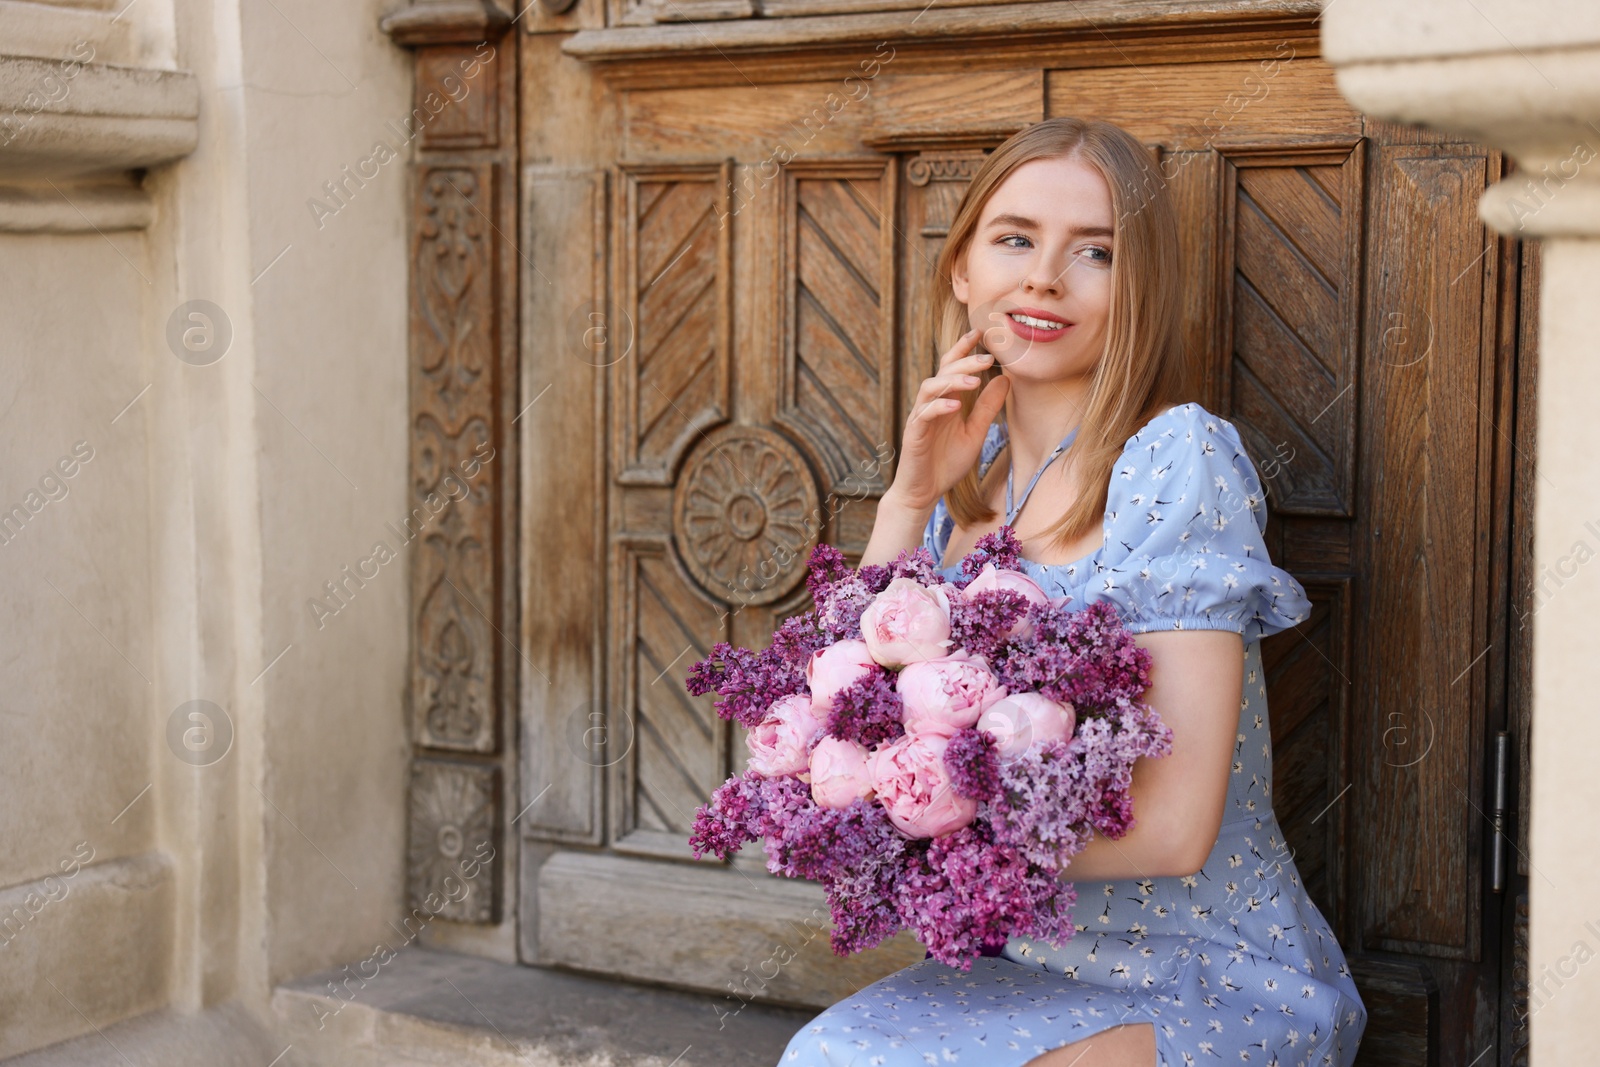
pixel 434 1008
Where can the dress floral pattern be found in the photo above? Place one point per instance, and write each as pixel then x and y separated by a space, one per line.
pixel 1232 964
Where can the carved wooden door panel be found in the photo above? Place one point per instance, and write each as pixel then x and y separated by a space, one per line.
pixel 731 449
pixel 736 344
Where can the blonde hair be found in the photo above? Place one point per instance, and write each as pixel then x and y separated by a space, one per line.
pixel 1144 369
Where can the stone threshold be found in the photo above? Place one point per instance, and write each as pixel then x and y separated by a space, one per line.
pixel 430 1007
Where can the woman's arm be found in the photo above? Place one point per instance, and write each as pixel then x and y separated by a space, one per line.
pixel 1196 686
pixel 898 527
pixel 941 440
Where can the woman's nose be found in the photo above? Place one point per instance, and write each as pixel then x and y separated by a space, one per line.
pixel 1046 275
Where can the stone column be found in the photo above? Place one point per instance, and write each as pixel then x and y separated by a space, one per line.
pixel 1525 77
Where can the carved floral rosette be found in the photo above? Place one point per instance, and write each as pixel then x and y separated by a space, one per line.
pixel 746 514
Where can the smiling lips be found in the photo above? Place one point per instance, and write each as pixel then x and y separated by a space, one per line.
pixel 1035 324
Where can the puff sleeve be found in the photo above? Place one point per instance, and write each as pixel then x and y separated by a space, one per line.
pixel 1185 515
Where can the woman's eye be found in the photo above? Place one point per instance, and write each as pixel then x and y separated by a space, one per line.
pixel 1097 253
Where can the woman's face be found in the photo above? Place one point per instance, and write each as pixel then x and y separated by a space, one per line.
pixel 1043 247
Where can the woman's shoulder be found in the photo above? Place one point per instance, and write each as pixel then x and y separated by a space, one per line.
pixel 1186 467
pixel 1184 532
pixel 1172 430
pixel 1182 423
pixel 1179 439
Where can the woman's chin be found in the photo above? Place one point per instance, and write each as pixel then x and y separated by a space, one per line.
pixel 1028 363
pixel 994 337
pixel 1023 361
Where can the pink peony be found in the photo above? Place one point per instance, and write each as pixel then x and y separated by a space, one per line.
pixel 943 695
pixel 907 622
pixel 835 667
pixel 991 578
pixel 914 786
pixel 839 773
pixel 1024 720
pixel 780 744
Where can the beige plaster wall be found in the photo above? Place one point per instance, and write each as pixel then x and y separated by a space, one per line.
pixel 178 563
pixel 76 673
pixel 77 653
pixel 330 334
pixel 1564 912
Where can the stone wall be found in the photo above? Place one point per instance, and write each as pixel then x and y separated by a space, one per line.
pixel 1525 77
pixel 203 420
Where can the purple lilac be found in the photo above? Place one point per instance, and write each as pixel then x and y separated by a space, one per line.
pixel 968 892
pixel 1042 810
pixel 1083 657
pixel 740 811
pixel 1000 548
pixel 839 614
pixel 855 852
pixel 794 642
pixel 862 906
pixel 916 563
pixel 1107 748
pixel 749 681
pixel 822 844
pixel 980 623
pixel 877 576
pixel 974 764
pixel 867 711
pixel 824 567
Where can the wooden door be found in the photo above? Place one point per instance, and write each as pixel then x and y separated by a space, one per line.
pixel 729 249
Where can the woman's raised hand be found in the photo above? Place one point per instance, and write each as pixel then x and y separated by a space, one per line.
pixel 940 443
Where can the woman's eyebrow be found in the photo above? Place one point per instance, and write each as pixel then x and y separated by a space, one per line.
pixel 1023 222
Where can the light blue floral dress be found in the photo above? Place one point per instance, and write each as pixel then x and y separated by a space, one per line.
pixel 1233 964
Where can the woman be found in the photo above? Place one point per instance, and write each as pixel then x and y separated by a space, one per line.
pixel 1195 938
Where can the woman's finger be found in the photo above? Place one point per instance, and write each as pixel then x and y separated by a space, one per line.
pixel 935 408
pixel 946 385
pixel 967 366
pixel 962 346
pixel 991 399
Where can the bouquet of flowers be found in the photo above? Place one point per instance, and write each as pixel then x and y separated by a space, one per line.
pixel 933 753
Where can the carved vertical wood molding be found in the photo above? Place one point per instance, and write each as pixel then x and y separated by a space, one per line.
pixel 463 374
pixel 934 180
pixel 453 386
pixel 944 177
